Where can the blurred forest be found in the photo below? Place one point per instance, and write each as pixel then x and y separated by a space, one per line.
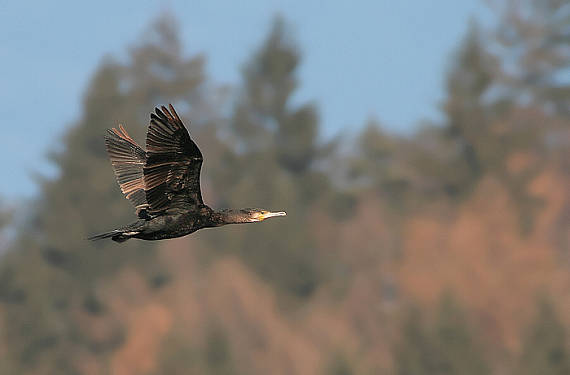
pixel 442 252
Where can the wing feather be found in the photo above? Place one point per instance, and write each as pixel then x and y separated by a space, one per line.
pixel 172 168
pixel 128 160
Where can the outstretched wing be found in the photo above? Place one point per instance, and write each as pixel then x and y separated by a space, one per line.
pixel 172 169
pixel 128 160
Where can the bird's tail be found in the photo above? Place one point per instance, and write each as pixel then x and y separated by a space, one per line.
pixel 117 235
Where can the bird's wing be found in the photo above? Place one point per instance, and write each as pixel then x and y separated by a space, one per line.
pixel 128 160
pixel 172 169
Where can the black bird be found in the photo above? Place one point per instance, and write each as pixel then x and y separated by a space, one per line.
pixel 163 183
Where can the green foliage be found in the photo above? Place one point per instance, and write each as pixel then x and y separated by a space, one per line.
pixel 468 116
pixel 58 271
pixel 5 215
pixel 445 347
pixel 380 162
pixel 485 130
pixel 440 160
pixel 275 149
pixel 6 218
pixel 545 349
pixel 534 36
pixel 268 154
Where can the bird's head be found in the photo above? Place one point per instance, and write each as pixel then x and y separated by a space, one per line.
pixel 242 216
pixel 254 215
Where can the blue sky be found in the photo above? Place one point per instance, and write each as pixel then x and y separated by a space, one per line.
pixel 360 59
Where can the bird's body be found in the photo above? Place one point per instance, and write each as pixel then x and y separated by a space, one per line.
pixel 163 183
pixel 165 226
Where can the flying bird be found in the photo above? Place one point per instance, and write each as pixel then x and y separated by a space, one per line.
pixel 163 183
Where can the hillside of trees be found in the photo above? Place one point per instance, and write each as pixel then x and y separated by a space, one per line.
pixel 446 251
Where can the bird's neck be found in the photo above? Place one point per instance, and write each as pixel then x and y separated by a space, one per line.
pixel 227 216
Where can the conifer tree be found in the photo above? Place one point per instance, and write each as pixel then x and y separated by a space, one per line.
pixel 273 166
pixel 468 116
pixel 535 36
pixel 52 275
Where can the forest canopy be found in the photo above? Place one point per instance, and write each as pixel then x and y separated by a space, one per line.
pixel 444 251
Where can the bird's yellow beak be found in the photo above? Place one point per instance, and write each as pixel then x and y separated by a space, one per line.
pixel 266 215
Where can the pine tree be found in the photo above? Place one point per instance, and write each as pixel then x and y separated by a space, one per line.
pixel 535 36
pixel 272 165
pixel 468 116
pixel 449 158
pixel 51 277
pixel 5 220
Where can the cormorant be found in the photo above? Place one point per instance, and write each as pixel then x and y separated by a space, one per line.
pixel 163 183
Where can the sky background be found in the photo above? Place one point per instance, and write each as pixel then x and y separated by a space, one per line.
pixel 381 58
